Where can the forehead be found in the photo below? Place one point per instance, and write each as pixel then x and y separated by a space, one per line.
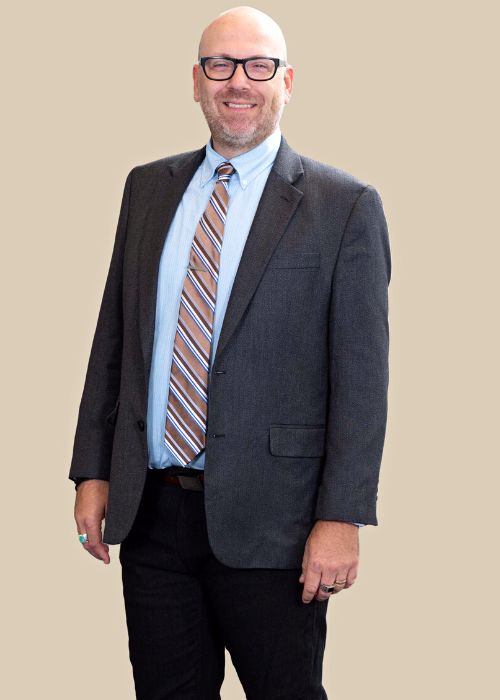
pixel 239 42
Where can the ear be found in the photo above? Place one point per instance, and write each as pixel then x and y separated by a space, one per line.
pixel 196 69
pixel 288 80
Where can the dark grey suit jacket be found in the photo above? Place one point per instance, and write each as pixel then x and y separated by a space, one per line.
pixel 298 390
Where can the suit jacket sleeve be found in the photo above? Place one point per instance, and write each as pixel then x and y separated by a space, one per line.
pixel 95 426
pixel 359 373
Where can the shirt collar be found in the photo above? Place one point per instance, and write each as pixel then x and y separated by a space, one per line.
pixel 248 165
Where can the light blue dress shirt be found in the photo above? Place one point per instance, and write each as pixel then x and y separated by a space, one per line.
pixel 245 189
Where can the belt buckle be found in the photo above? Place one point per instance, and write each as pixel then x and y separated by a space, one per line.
pixel 190 482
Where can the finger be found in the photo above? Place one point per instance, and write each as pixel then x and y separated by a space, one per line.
pixel 351 576
pixel 82 530
pixel 304 567
pixel 86 545
pixel 311 583
pixel 327 579
pixel 341 580
pixel 95 545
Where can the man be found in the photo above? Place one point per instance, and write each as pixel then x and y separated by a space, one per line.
pixel 234 410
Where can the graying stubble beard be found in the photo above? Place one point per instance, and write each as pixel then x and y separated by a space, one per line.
pixel 228 138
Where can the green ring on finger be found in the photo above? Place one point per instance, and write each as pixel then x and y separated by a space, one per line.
pixel 83 538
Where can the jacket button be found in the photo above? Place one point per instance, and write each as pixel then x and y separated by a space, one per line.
pixel 140 425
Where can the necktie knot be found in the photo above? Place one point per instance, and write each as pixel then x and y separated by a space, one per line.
pixel 224 171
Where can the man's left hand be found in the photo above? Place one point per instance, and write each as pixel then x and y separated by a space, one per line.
pixel 331 555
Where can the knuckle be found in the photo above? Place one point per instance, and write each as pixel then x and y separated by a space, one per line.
pixel 91 522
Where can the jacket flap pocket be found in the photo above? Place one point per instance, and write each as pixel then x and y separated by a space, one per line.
pixel 297 440
pixel 295 260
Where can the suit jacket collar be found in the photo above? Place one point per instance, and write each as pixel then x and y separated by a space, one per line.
pixel 287 163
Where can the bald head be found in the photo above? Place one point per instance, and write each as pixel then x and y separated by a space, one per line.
pixel 242 24
pixel 241 111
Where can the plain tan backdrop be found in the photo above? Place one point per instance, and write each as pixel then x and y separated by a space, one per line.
pixel 402 95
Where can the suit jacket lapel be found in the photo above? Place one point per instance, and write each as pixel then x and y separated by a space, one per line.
pixel 171 184
pixel 278 202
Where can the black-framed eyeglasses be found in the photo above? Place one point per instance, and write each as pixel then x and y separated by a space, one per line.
pixel 256 67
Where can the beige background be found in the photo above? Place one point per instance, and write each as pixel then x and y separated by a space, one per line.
pixel 400 94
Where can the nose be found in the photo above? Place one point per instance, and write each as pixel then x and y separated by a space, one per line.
pixel 239 78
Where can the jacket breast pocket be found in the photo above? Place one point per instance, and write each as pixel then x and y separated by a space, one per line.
pixel 294 260
pixel 113 415
pixel 287 440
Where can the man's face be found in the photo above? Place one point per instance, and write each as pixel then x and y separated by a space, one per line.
pixel 238 129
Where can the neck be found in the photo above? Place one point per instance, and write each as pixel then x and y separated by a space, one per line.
pixel 229 151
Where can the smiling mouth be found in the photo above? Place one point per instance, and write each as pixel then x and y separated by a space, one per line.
pixel 240 105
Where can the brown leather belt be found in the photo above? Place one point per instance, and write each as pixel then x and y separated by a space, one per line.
pixel 193 482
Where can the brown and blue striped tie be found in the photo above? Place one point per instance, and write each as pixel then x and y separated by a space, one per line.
pixel 186 421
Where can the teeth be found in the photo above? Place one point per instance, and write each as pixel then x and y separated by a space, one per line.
pixel 238 106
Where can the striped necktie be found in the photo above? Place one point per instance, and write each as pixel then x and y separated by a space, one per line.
pixel 186 420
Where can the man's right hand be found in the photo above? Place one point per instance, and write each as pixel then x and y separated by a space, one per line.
pixel 90 510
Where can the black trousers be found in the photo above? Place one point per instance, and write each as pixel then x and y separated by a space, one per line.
pixel 184 607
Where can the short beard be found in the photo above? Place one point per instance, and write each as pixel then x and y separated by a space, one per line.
pixel 248 139
pixel 228 138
